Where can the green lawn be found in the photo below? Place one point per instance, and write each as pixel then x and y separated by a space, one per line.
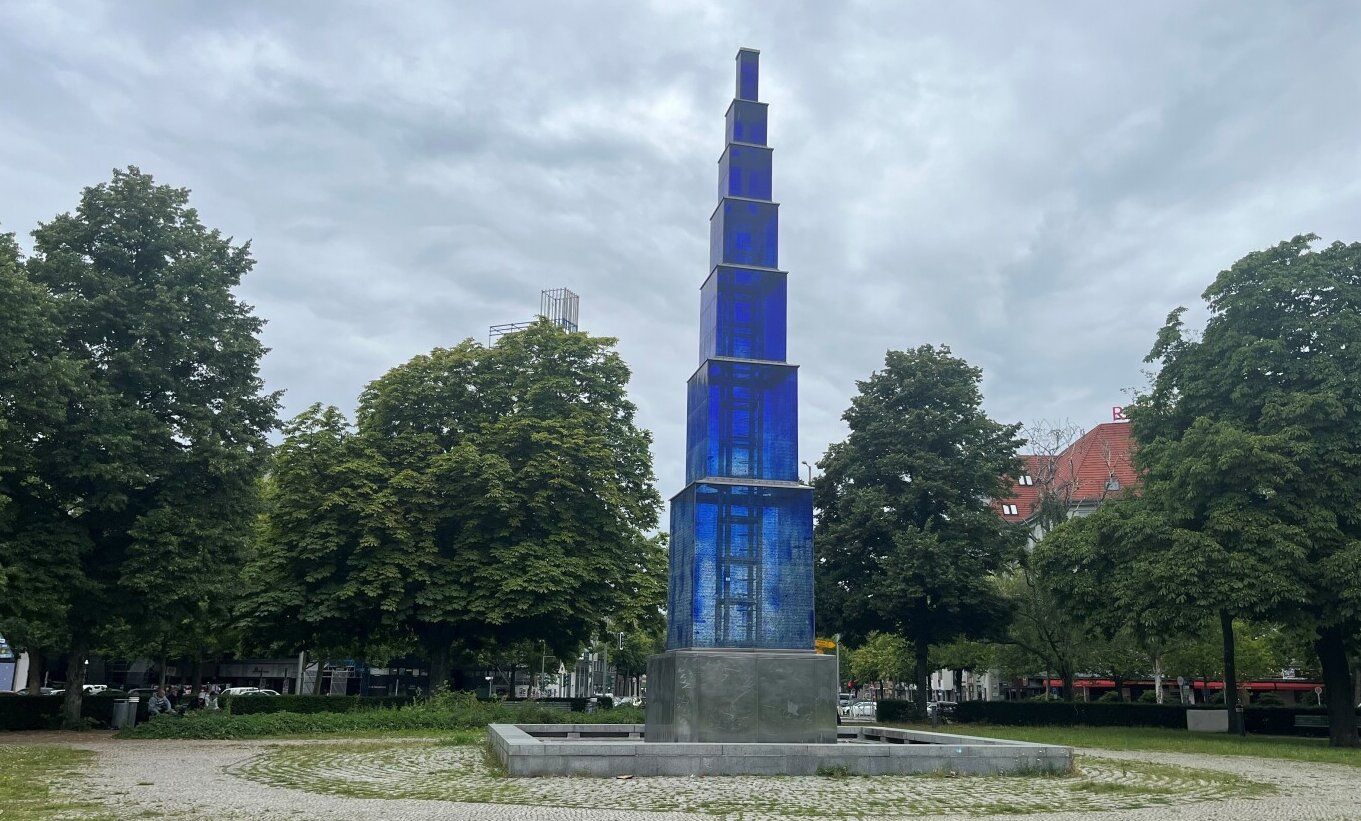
pixel 27 775
pixel 1155 739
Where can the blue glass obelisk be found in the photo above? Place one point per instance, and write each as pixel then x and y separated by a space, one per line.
pixel 739 662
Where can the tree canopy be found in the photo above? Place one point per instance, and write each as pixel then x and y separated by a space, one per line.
pixel 907 540
pixel 484 494
pixel 1255 425
pixel 135 484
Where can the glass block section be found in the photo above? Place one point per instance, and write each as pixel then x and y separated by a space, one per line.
pixel 747 70
pixel 744 232
pixel 747 122
pixel 741 567
pixel 743 314
pixel 743 421
pixel 744 171
pixel 680 577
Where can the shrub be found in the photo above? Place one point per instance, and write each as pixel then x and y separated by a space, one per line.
pixel 1069 713
pixel 443 712
pixel 248 705
pixel 1281 720
pixel 604 702
pixel 44 712
pixel 898 710
pixel 29 712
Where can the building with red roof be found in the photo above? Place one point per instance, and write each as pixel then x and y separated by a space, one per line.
pixel 1097 465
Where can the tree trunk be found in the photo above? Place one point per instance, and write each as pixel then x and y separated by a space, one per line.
pixel 1337 686
pixel 439 667
pixel 922 675
pixel 1230 673
pixel 196 678
pixel 165 662
pixel 1356 681
pixel 1068 688
pixel 35 670
pixel 75 683
pixel 1158 678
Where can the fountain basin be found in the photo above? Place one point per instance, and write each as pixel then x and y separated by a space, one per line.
pixel 607 750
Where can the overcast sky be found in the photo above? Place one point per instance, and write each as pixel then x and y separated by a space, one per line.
pixel 1034 185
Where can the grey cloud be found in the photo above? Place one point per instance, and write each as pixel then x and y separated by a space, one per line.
pixel 1034 184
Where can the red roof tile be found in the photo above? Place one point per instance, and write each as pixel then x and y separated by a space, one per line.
pixel 1082 473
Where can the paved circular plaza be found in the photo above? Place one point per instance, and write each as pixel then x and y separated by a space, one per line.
pixel 395 779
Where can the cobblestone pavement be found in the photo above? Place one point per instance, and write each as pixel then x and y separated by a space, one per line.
pixel 258 779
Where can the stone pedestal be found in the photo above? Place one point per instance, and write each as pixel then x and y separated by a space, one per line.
pixel 727 695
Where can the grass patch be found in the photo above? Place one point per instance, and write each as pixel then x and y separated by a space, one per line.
pixel 1115 788
pixel 468 773
pixel 1161 740
pixel 446 716
pixel 28 775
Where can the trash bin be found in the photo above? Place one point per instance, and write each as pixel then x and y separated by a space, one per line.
pixel 125 712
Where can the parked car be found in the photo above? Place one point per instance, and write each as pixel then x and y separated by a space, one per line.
pixel 258 691
pixel 862 709
pixel 238 691
pixel 92 689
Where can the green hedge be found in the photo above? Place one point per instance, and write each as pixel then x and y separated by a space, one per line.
pixel 1281 720
pixel 250 705
pixel 1069 713
pixel 255 705
pixel 1259 720
pixel 437 715
pixel 44 712
pixel 898 710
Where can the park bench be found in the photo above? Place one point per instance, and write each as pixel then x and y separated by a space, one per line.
pixel 1311 722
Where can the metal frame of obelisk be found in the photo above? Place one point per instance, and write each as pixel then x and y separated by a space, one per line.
pixel 739 662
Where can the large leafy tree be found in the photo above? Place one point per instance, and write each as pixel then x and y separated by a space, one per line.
pixel 906 539
pixel 484 497
pixel 1157 566
pixel 304 580
pixel 141 483
pixel 883 657
pixel 1045 633
pixel 1251 437
pixel 36 377
pixel 1199 655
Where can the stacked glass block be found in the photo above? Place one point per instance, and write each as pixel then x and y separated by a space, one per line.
pixel 741 531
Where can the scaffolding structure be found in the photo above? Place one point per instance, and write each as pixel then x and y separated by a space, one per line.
pixel 560 306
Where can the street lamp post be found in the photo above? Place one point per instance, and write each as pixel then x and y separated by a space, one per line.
pixel 488 678
pixel 810 471
pixel 543 668
pixel 605 668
